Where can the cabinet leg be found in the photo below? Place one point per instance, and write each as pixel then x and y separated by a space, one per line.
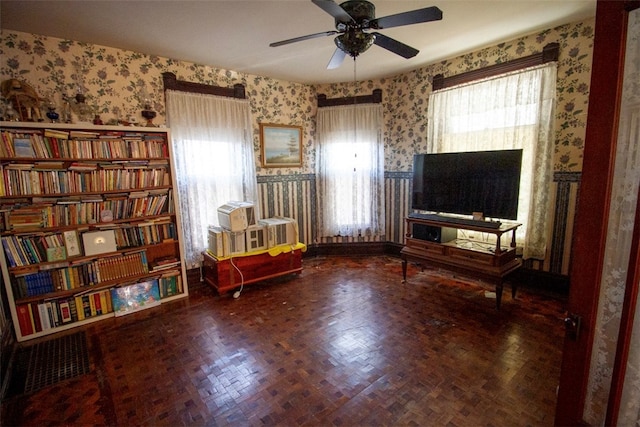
pixel 499 288
pixel 404 271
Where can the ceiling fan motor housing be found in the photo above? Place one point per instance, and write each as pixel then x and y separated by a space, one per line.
pixel 354 41
pixel 361 11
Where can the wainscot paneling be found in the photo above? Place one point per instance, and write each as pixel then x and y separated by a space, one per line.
pixel 397 187
pixel 291 196
pixel 565 189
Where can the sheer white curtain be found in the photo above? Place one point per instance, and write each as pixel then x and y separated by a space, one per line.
pixel 630 399
pixel 511 111
pixel 624 200
pixel 214 160
pixel 350 171
pixel 622 211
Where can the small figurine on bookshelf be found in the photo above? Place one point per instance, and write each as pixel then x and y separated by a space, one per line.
pixel 23 98
pixel 9 113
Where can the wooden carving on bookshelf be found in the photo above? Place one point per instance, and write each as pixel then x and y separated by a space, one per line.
pixel 23 98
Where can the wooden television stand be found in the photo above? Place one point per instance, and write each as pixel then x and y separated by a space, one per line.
pixel 479 260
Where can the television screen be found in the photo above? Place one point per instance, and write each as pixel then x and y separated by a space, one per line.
pixel 467 182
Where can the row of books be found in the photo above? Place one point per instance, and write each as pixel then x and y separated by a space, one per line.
pixel 145 234
pixel 122 266
pixel 101 164
pixel 27 249
pixel 87 165
pixel 78 212
pixel 52 144
pixel 170 284
pixel 67 276
pixel 17 181
pixel 23 218
pixel 33 284
pixel 42 316
pixel 31 249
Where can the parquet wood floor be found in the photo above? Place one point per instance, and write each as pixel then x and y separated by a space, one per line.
pixel 343 344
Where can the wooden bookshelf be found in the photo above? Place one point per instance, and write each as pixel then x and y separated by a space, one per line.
pixel 85 211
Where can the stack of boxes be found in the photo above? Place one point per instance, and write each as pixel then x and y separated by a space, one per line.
pixel 240 232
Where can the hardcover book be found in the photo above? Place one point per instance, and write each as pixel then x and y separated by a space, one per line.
pixel 56 254
pixel 23 147
pixel 71 243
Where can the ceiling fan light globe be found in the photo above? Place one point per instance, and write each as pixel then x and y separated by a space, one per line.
pixel 354 43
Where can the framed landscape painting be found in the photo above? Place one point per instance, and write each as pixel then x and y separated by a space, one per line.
pixel 280 145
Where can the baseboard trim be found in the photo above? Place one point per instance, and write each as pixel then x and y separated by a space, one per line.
pixel 345 249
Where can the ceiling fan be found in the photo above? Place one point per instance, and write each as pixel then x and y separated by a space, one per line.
pixel 354 19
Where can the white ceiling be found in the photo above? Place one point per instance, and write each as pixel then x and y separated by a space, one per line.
pixel 235 34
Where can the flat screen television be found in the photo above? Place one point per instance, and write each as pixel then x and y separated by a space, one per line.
pixel 465 183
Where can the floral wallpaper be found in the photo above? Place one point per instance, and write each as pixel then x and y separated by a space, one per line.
pixel 114 80
pixel 406 97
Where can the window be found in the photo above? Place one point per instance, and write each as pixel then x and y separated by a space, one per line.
pixel 214 161
pixel 511 111
pixel 350 171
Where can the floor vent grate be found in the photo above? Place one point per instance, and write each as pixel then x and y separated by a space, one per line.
pixel 49 362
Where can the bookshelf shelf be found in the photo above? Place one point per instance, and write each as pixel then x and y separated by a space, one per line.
pixel 85 211
pixel 60 228
pixel 84 193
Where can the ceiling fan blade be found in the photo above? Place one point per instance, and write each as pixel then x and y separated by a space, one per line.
pixel 407 18
pixel 394 46
pixel 337 59
pixel 299 39
pixel 333 9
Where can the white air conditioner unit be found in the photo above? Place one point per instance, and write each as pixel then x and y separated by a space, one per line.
pixel 281 231
pixel 237 244
pixel 218 242
pixel 236 216
pixel 256 237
